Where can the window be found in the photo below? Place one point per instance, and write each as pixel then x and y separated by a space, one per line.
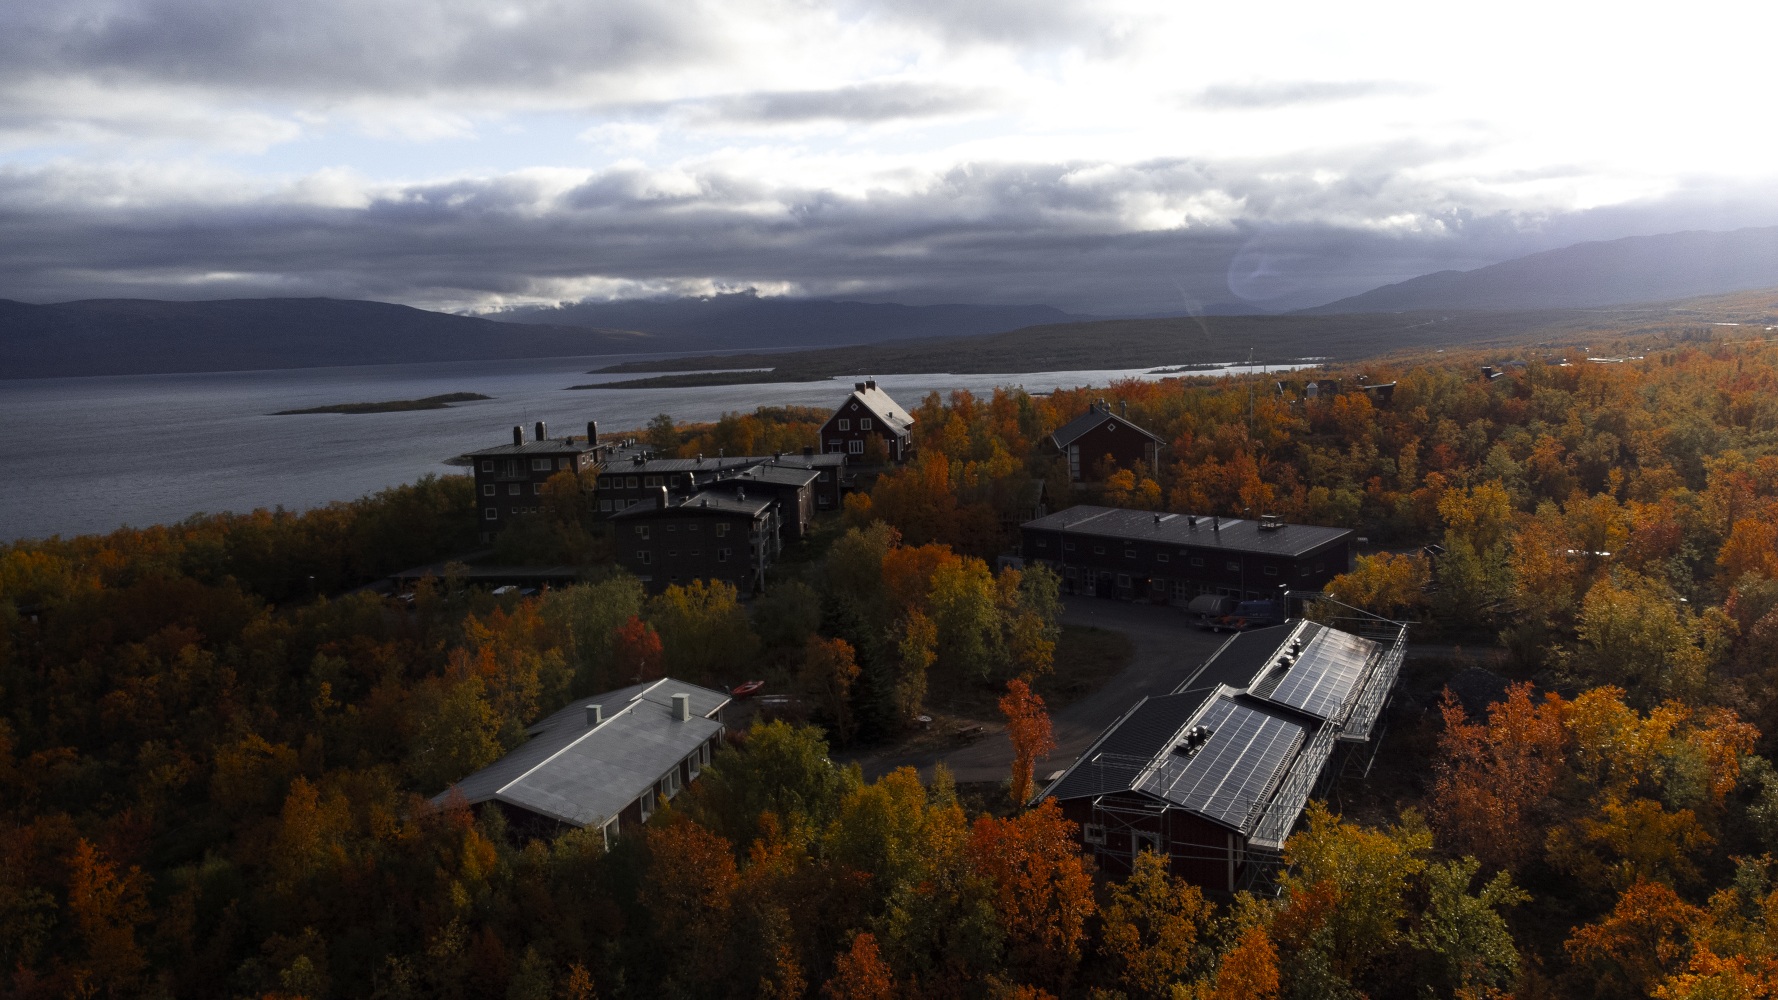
pixel 642 531
pixel 693 528
pixel 1232 566
pixel 1067 546
pixel 644 557
pixel 855 447
pixel 826 477
pixel 651 481
pixel 721 528
pixel 512 489
pixel 864 423
pixel 647 802
pixel 513 510
pixel 631 482
pixel 540 465
pixel 1093 833
pixel 1198 561
pixel 610 832
pixel 695 553
pixel 672 527
pixel 492 513
pixel 488 490
pixel 487 465
pixel 1161 557
pixel 672 553
pixel 845 425
pixel 1130 552
pixel 695 763
pixel 1123 580
pixel 1043 543
pixel 561 463
pixel 1098 550
pixel 723 554
pixel 836 445
pixel 605 506
pixel 536 489
pixel 1271 571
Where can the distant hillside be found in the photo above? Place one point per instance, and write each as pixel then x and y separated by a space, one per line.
pixel 142 336
pixel 1144 343
pixel 747 320
pixel 1590 275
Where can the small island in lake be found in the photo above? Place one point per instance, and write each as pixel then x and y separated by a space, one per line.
pixel 393 405
pixel 691 379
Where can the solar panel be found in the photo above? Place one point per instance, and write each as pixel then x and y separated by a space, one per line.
pixel 1230 777
pixel 1322 680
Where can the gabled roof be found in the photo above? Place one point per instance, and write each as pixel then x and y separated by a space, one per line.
pixel 1264 708
pixel 584 775
pixel 1095 416
pixel 891 413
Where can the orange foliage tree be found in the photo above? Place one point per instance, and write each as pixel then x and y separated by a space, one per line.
pixel 1028 726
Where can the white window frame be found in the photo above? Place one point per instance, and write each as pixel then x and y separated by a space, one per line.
pixel 487 465
pixel 864 423
pixel 647 802
pixel 723 554
pixel 845 424
pixel 630 482
pixel 536 489
pixel 487 489
pixel 855 446
pixel 512 489
pixel 562 463
pixel 491 513
pixel 610 830
pixel 1093 833
pixel 644 557
pixel 721 529
pixel 1162 557
pixel 540 465
pixel 642 532
pixel 670 782
pixel 605 506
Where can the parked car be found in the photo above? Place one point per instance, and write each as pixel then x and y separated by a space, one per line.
pixel 1208 609
pixel 1251 614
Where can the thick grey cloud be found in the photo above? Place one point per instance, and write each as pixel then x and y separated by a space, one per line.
pixel 986 232
pixel 1285 93
pixel 863 104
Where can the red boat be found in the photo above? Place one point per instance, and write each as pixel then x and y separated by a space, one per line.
pixel 748 689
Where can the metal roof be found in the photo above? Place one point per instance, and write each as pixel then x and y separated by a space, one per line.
pixel 1073 429
pixel 1323 679
pixel 653 466
pixel 548 446
pixel 783 475
pixel 1230 777
pixel 882 407
pixel 1229 534
pixel 715 500
pixel 584 775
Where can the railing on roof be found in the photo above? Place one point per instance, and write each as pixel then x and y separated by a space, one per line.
pixel 1374 693
pixel 1287 804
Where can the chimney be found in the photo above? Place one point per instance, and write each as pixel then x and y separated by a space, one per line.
pixel 1123 407
pixel 858 386
pixel 808 451
pixel 540 430
pixel 595 714
pixel 741 494
pixel 518 436
pixel 682 707
pixel 870 383
pixel 592 433
pixel 660 497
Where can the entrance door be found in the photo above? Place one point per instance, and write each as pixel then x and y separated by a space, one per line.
pixel 1141 840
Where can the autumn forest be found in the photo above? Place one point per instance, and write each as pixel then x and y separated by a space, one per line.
pixel 219 747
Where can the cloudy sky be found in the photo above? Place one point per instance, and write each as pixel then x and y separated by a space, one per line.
pixel 1111 156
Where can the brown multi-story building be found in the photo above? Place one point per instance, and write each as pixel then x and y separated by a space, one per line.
pixel 1099 438
pixel 792 487
pixel 866 416
pixel 831 480
pixel 1214 776
pixel 631 479
pixel 509 478
pixel 725 533
pixel 1171 558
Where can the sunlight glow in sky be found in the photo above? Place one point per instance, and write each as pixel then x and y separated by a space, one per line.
pixel 1106 157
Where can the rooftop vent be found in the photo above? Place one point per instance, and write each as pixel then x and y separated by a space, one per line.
pixel 540 430
pixel 682 707
pixel 1270 522
pixel 595 714
pixel 518 436
pixel 1195 738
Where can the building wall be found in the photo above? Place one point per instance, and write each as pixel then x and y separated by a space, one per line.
pixel 1131 450
pixel 682 544
pixel 1199 851
pixel 510 487
pixel 1174 574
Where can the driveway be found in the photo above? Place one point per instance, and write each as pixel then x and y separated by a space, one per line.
pixel 1167 650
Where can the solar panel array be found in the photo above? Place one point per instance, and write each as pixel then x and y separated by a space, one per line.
pixel 1236 769
pixel 1323 678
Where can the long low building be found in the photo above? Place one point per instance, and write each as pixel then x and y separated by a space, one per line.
pixel 1215 774
pixel 603 761
pixel 1172 558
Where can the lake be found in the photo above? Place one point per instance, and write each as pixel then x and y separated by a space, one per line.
pixel 92 454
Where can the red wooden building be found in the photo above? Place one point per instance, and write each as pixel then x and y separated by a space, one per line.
pixel 1098 434
pixel 866 416
pixel 1214 775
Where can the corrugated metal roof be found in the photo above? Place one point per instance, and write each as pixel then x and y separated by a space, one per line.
pixel 1230 534
pixel 784 475
pixel 714 500
pixel 548 446
pixel 1073 429
pixel 583 775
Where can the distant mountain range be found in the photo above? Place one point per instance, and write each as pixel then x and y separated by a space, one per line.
pixel 1590 275
pixel 747 320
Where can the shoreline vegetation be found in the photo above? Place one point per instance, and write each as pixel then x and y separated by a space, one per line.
pixel 439 402
pixel 750 376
